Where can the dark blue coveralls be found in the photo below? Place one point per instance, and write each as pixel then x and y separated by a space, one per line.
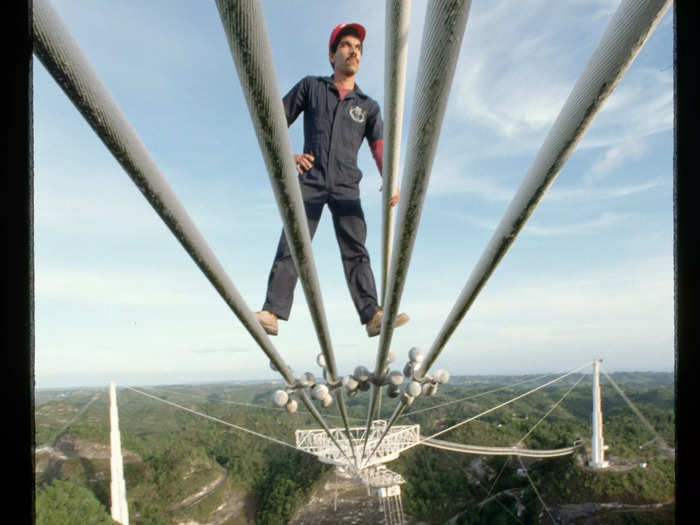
pixel 333 133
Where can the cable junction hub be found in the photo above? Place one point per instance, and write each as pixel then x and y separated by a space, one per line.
pixel 319 443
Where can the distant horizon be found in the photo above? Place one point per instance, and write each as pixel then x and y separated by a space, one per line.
pixel 279 380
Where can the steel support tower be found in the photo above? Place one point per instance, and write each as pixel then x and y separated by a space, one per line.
pixel 597 444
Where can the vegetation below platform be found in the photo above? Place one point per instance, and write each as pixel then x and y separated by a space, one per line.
pixel 180 467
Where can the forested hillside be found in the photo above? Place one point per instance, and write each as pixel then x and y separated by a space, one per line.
pixel 182 468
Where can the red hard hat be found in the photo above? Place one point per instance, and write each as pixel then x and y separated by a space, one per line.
pixel 344 25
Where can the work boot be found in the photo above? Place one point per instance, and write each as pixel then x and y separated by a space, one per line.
pixel 267 320
pixel 374 325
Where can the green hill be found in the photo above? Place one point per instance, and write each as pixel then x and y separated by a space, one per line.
pixel 183 468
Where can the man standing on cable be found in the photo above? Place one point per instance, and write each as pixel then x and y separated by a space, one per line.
pixel 337 117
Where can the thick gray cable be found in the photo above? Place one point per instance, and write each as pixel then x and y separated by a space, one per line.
pixel 216 419
pixel 625 35
pixel 227 401
pixel 302 395
pixel 537 492
pixel 505 403
pixel 513 450
pixel 402 406
pixel 444 28
pixel 498 451
pixel 637 412
pixel 474 396
pixel 62 57
pixel 555 405
pixel 246 32
pixel 397 18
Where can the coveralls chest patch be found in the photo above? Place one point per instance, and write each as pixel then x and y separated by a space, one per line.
pixel 357 114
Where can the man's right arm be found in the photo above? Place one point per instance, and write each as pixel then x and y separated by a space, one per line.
pixel 294 102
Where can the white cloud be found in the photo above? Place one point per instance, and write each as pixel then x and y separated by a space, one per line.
pixel 456 175
pixel 623 314
pixel 614 157
pixel 604 221
pixel 510 87
pixel 640 106
pixel 590 193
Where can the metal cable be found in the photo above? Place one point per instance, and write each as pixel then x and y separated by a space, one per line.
pixel 59 52
pixel 401 406
pixel 498 451
pixel 537 492
pixel 475 449
pixel 637 412
pixel 228 401
pixel 555 405
pixel 480 394
pixel 531 391
pixel 63 58
pixel 444 28
pixel 625 35
pixel 206 398
pixel 216 419
pixel 397 18
pixel 495 481
pixel 478 484
pixel 246 32
pixel 52 442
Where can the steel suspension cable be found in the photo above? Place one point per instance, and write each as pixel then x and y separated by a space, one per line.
pixel 625 35
pixel 60 54
pixel 637 412
pixel 478 484
pixel 228 401
pixel 537 492
pixel 480 394
pixel 401 406
pixel 531 391
pixel 499 451
pixel 445 22
pixel 500 472
pixel 83 409
pixel 531 430
pixel 555 405
pixel 216 419
pixel 533 453
pixel 456 447
pixel 397 18
pixel 246 32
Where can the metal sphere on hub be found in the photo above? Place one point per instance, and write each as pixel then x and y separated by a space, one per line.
pixel 395 378
pixel 280 398
pixel 416 355
pixel 361 374
pixel 320 391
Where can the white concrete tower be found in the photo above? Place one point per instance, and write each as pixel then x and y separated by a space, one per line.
pixel 597 445
pixel 120 510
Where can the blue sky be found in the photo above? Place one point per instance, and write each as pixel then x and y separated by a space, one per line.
pixel 590 276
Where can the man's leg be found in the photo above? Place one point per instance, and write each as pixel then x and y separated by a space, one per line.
pixel 283 275
pixel 351 232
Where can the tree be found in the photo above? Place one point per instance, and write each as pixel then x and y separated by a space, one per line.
pixel 65 503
